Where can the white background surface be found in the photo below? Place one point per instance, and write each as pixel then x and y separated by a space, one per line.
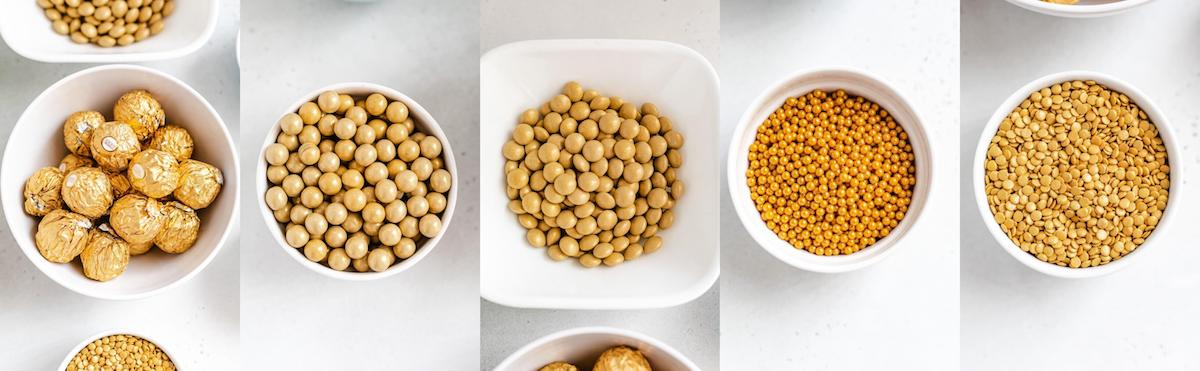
pixel 902 313
pixel 691 328
pixel 426 317
pixel 41 321
pixel 1143 317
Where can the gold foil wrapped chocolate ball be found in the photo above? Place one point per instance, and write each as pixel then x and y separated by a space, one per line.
pixel 105 255
pixel 136 218
pixel 62 235
pixel 119 183
pixel 43 191
pixel 154 173
pixel 141 112
pixel 86 190
pixel 73 161
pixel 174 140
pixel 181 227
pixel 140 248
pixel 113 145
pixel 77 131
pixel 199 184
pixel 621 359
pixel 559 366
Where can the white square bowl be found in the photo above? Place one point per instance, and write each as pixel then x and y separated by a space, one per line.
pixel 26 30
pixel 522 75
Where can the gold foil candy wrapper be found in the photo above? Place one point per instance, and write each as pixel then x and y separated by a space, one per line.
pixel 77 131
pixel 43 191
pixel 621 358
pixel 181 227
pixel 73 161
pixel 174 140
pixel 119 183
pixel 140 248
pixel 113 144
pixel 62 235
pixel 199 184
pixel 559 366
pixel 141 112
pixel 86 190
pixel 154 173
pixel 105 256
pixel 136 218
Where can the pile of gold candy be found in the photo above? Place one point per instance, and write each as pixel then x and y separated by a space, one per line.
pixel 620 358
pixel 107 23
pixel 126 185
pixel 121 352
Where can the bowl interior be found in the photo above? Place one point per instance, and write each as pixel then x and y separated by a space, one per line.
pixel 36 142
pixel 27 31
pixel 78 348
pixel 524 75
pixel 581 347
pixel 855 83
pixel 1165 132
pixel 423 121
pixel 1085 8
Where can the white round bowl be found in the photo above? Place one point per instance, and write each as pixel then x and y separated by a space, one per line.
pixel 71 355
pixel 24 26
pixel 855 82
pixel 423 120
pixel 978 173
pixel 581 346
pixel 37 142
pixel 1084 9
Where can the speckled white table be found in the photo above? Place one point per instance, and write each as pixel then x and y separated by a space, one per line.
pixel 902 313
pixel 40 321
pixel 426 318
pixel 1143 317
pixel 691 328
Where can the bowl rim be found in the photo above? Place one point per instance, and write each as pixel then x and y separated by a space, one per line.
pixel 1086 10
pixel 676 298
pixel 32 253
pixel 1147 105
pixel 595 330
pixel 917 132
pixel 424 119
pixel 88 340
pixel 209 27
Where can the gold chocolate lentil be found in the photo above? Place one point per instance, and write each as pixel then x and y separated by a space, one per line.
pixel 831 173
pixel 1077 175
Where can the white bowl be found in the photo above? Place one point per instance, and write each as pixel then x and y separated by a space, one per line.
pixel 521 75
pixel 24 26
pixel 581 346
pixel 423 120
pixel 854 82
pixel 1174 158
pixel 36 142
pixel 71 355
pixel 1084 9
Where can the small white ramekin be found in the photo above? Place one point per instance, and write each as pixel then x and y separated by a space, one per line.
pixel 71 355
pixel 424 122
pixel 978 173
pixel 1086 9
pixel 581 346
pixel 855 82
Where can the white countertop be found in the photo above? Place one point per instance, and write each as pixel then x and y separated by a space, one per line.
pixel 1144 317
pixel 691 328
pixel 426 318
pixel 902 313
pixel 42 321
